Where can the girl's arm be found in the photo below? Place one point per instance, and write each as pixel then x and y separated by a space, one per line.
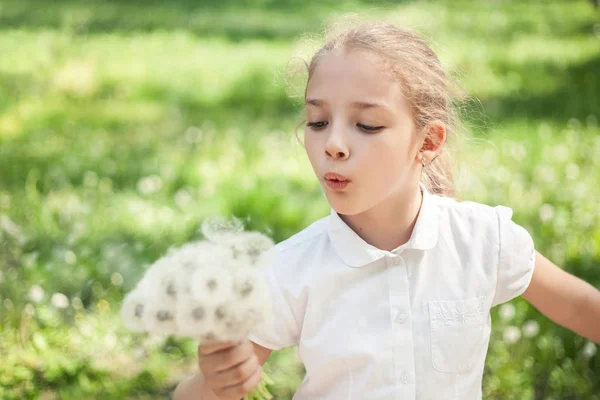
pixel 565 299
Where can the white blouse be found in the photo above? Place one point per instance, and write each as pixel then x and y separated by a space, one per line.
pixel 413 323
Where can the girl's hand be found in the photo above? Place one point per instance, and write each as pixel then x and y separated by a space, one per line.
pixel 231 370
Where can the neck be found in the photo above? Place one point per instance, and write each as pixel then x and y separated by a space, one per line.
pixel 390 223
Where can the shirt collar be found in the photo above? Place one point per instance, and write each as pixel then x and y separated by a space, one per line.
pixel 355 252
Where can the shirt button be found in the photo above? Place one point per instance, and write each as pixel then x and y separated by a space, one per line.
pixel 400 317
pixel 397 261
pixel 404 378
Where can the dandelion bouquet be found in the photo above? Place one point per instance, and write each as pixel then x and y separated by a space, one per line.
pixel 212 290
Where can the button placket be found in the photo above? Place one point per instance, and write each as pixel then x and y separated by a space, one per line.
pixel 401 327
pixel 400 317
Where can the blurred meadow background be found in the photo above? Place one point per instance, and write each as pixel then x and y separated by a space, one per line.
pixel 124 123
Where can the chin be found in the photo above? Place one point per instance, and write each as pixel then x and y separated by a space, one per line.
pixel 344 207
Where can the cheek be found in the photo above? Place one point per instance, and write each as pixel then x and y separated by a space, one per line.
pixel 312 146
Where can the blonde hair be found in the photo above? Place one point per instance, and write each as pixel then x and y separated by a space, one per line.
pixel 429 88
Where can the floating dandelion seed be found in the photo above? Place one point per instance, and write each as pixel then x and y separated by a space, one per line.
pixel 217 229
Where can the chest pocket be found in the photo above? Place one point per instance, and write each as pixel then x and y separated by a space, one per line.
pixel 458 333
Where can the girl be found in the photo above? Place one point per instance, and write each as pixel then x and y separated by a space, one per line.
pixel 389 296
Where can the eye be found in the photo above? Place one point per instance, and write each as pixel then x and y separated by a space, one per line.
pixel 317 125
pixel 368 128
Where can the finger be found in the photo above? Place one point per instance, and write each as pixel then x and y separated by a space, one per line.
pixel 237 374
pixel 243 388
pixel 225 359
pixel 205 349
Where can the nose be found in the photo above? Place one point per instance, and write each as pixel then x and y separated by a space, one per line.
pixel 336 148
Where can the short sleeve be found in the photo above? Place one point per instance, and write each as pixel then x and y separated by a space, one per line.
pixel 516 257
pixel 282 330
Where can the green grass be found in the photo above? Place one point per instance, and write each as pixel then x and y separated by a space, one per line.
pixel 124 123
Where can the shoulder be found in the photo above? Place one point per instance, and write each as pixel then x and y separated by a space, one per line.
pixel 471 212
pixel 473 220
pixel 304 239
pixel 293 254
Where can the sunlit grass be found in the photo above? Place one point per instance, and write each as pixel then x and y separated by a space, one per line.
pixel 119 135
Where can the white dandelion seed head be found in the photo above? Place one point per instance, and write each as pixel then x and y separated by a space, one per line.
pixel 250 286
pixel 162 278
pixel 132 310
pixel 589 350
pixel 507 311
pixel 59 300
pixel 192 256
pixel 512 334
pixel 159 316
pixel 211 284
pixel 36 294
pixel 230 322
pixel 249 247
pixel 212 290
pixel 193 318
pixel 216 229
pixel 531 328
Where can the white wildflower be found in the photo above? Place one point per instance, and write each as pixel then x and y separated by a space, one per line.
pixel 59 300
pixel 512 334
pixel 70 257
pixel 589 350
pixel 110 341
pixel 572 171
pixel 8 304
pixel 36 294
pixel 507 311
pixel 183 198
pixel 149 184
pixel 77 303
pixel 12 229
pixel 116 279
pixel 90 179
pixel 546 212
pixel 29 309
pixel 77 78
pixel 531 328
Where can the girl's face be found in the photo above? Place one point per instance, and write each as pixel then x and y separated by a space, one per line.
pixel 359 126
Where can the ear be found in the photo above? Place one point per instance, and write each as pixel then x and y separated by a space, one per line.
pixel 435 137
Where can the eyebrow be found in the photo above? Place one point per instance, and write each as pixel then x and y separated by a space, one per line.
pixel 357 104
